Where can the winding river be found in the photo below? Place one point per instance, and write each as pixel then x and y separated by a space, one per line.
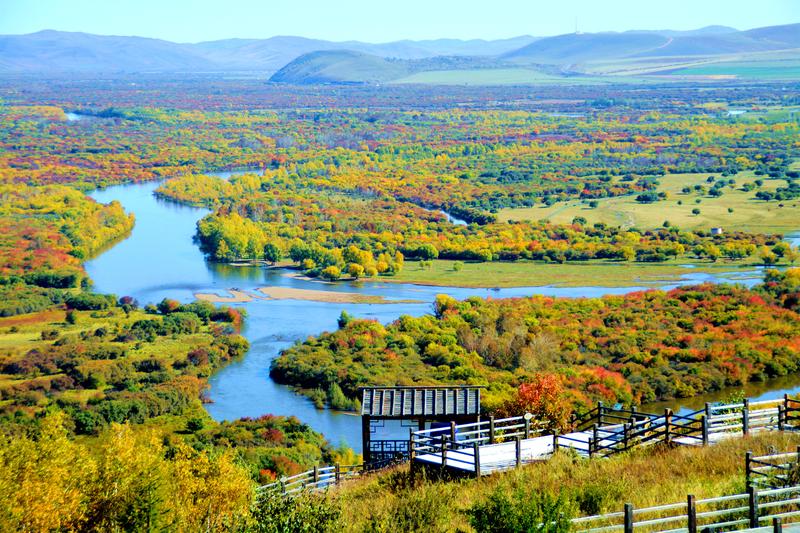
pixel 159 259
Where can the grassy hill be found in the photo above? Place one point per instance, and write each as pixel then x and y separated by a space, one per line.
pixel 340 66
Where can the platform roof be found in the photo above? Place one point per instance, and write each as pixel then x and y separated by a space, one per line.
pixel 420 402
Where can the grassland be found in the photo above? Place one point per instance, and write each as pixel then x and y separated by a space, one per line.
pixel 748 214
pixel 536 274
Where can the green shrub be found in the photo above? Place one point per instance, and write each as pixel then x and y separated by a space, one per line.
pixel 275 513
pixel 88 301
pixel 518 511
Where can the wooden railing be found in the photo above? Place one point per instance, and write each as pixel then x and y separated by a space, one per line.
pixel 489 431
pixel 752 509
pixel 639 429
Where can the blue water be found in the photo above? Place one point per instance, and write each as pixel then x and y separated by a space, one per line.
pixel 159 259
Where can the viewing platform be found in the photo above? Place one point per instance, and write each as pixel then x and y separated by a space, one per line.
pixel 494 445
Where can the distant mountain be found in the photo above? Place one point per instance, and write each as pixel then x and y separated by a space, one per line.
pixel 706 30
pixel 302 60
pixel 757 40
pixel 56 51
pixel 579 47
pixel 709 41
pixel 256 54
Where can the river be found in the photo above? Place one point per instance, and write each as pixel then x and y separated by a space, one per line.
pixel 159 259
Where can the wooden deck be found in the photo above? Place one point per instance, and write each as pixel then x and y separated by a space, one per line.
pixel 485 447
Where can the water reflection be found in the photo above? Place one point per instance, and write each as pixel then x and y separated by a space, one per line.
pixel 772 389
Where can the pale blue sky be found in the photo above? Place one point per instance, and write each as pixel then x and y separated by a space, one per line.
pixel 381 21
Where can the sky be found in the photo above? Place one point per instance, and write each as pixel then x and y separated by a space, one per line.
pixel 381 20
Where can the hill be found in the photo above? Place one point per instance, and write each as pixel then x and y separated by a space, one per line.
pixel 579 47
pixel 349 66
pixel 712 41
pixel 340 66
pixel 758 40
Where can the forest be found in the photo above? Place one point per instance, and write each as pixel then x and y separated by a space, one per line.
pixel 351 202
pixel 631 349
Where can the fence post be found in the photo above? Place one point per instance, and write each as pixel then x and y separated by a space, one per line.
pixel 748 458
pixel 453 432
pixel 752 501
pixel 600 413
pixel 626 435
pixel 555 441
pixel 777 526
pixel 746 416
pixel 786 412
pixel 316 474
pixel 691 513
pixel 491 429
pixel 283 486
pixel 591 445
pixel 704 423
pixel 708 411
pixel 628 523
pixel 781 417
pixel 667 422
pixel 518 450
pixel 594 435
pixel 444 451
pixel 527 428
pixel 337 472
pixel 411 450
pixel 476 454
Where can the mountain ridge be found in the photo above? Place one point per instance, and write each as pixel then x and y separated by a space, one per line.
pixel 63 52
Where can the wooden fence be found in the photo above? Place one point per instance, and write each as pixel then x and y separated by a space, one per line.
pixel 750 510
pixel 318 478
pixel 773 471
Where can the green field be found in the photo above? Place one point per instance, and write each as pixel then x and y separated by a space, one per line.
pixel 787 69
pixel 772 64
pixel 538 274
pixel 748 213
pixel 506 76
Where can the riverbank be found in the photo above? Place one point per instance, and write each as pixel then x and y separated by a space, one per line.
pixel 291 293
